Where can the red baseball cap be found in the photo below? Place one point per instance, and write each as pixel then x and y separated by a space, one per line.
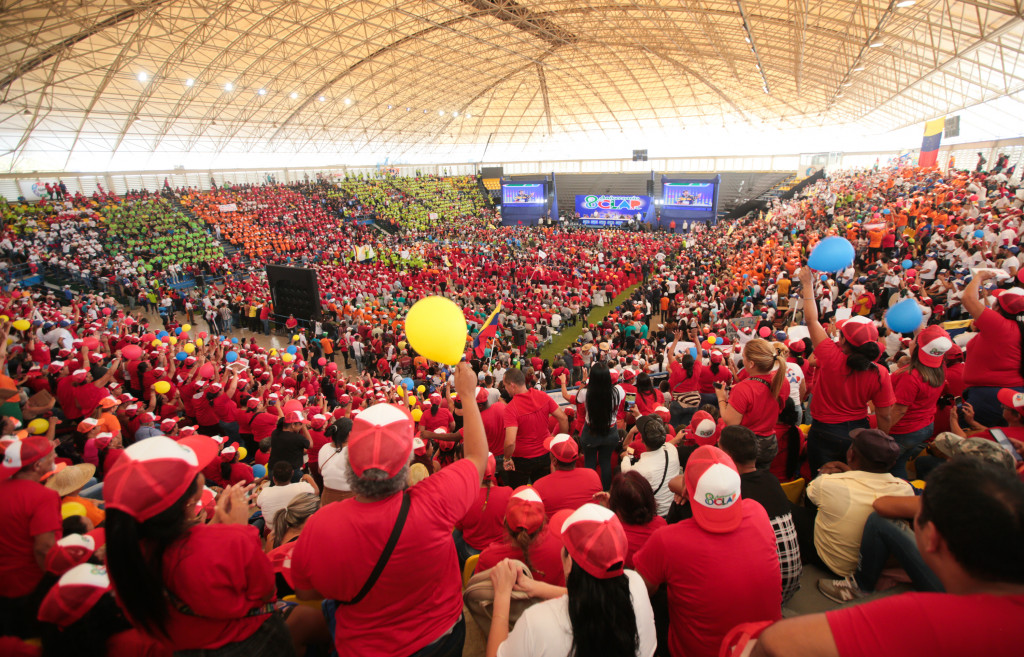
pixel 1012 300
pixel 22 453
pixel 563 447
pixel 859 331
pixel 525 510
pixel 1010 397
pixel 703 429
pixel 932 345
pixel 294 416
pixel 70 551
pixel 74 594
pixel 381 438
pixel 716 356
pixel 153 474
pixel 713 486
pixel 594 538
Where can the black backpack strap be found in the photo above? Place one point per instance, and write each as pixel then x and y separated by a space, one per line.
pixel 403 512
pixel 663 474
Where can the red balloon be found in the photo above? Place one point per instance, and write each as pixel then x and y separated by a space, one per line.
pixel 764 332
pixel 331 367
pixel 131 352
pixel 206 371
pixel 202 334
pixel 321 362
pixel 148 337
pixel 106 311
pixel 166 339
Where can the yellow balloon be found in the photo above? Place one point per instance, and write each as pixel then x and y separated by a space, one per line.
pixel 189 348
pixel 273 352
pixel 156 343
pixel 412 400
pixel 162 387
pixel 416 414
pixel 38 426
pixel 287 358
pixel 21 325
pixel 173 340
pixel 421 389
pixel 242 452
pixel 186 327
pixel 437 329
pixel 199 342
pixel 4 318
pixel 295 338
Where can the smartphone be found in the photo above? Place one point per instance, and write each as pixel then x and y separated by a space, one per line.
pixel 630 400
pixel 1005 443
pixel 959 403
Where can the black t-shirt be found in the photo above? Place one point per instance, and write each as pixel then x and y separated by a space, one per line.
pixel 764 487
pixel 286 446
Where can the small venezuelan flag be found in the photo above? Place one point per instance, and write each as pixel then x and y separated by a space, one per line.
pixel 930 144
pixel 488 330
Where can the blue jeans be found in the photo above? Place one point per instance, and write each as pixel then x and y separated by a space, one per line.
pixel 266 326
pixel 910 446
pixel 884 538
pixel 829 442
pixel 987 409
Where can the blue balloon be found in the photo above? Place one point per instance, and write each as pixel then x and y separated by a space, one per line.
pixel 824 277
pixel 181 355
pixel 693 352
pixel 408 384
pixel 162 334
pixel 832 254
pixel 979 234
pixel 904 317
pixel 234 340
pixel 231 356
pixel 177 331
pixel 885 211
pixel 292 349
pixel 908 263
pixel 259 471
pixel 745 275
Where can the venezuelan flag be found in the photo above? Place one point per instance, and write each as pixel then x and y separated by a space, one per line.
pixel 930 144
pixel 486 332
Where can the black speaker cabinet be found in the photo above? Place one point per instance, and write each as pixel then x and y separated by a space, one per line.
pixel 294 291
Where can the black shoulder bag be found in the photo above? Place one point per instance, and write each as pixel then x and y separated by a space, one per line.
pixel 396 532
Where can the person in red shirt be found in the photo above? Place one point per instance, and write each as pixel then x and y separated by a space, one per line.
pixel 31 520
pixel 721 566
pixel 632 500
pixel 526 427
pixel 716 372
pixel 969 533
pixel 756 400
pixel 414 605
pixel 567 487
pixel 483 524
pixel 849 378
pixel 684 373
pixel 214 587
pixel 527 539
pixel 917 388
pixel 436 417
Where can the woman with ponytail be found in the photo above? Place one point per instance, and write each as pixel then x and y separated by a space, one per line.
pixel 995 355
pixel 526 539
pixel 846 381
pixel 287 527
pixel 194 587
pixel 603 611
pixel 755 401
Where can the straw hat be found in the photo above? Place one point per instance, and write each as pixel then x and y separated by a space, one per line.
pixel 71 478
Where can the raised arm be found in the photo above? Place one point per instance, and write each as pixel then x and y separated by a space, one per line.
pixel 814 327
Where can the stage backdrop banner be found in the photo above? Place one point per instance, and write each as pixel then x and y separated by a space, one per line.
pixel 609 211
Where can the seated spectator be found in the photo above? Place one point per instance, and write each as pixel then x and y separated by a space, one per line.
pixel 659 463
pixel 273 499
pixel 191 586
pixel 413 606
pixel 30 516
pixel 567 487
pixel 632 500
pixel 970 531
pixel 333 461
pixel 740 444
pixel 285 531
pixel 844 493
pixel 526 539
pixel 721 566
pixel 603 609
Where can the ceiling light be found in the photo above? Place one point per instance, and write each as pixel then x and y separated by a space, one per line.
pixel 847 84
pixel 440 112
pixel 747 39
pixel 876 44
pixel 764 89
pixel 858 69
pixel 424 111
pixel 348 101
pixel 389 106
pixel 262 92
pixel 468 115
pixel 293 95
pixel 229 87
pixel 407 109
pixel 906 3
pixel 189 82
pixel 142 76
pixel 323 99
pixel 455 113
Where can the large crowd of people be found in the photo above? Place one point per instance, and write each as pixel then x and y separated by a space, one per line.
pixel 717 421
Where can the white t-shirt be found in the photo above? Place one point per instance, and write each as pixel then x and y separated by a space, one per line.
pixel 618 394
pixel 544 629
pixel 795 375
pixel 275 498
pixel 657 470
pixel 334 467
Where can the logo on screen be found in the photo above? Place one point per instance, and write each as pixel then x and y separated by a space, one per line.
pixel 613 203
